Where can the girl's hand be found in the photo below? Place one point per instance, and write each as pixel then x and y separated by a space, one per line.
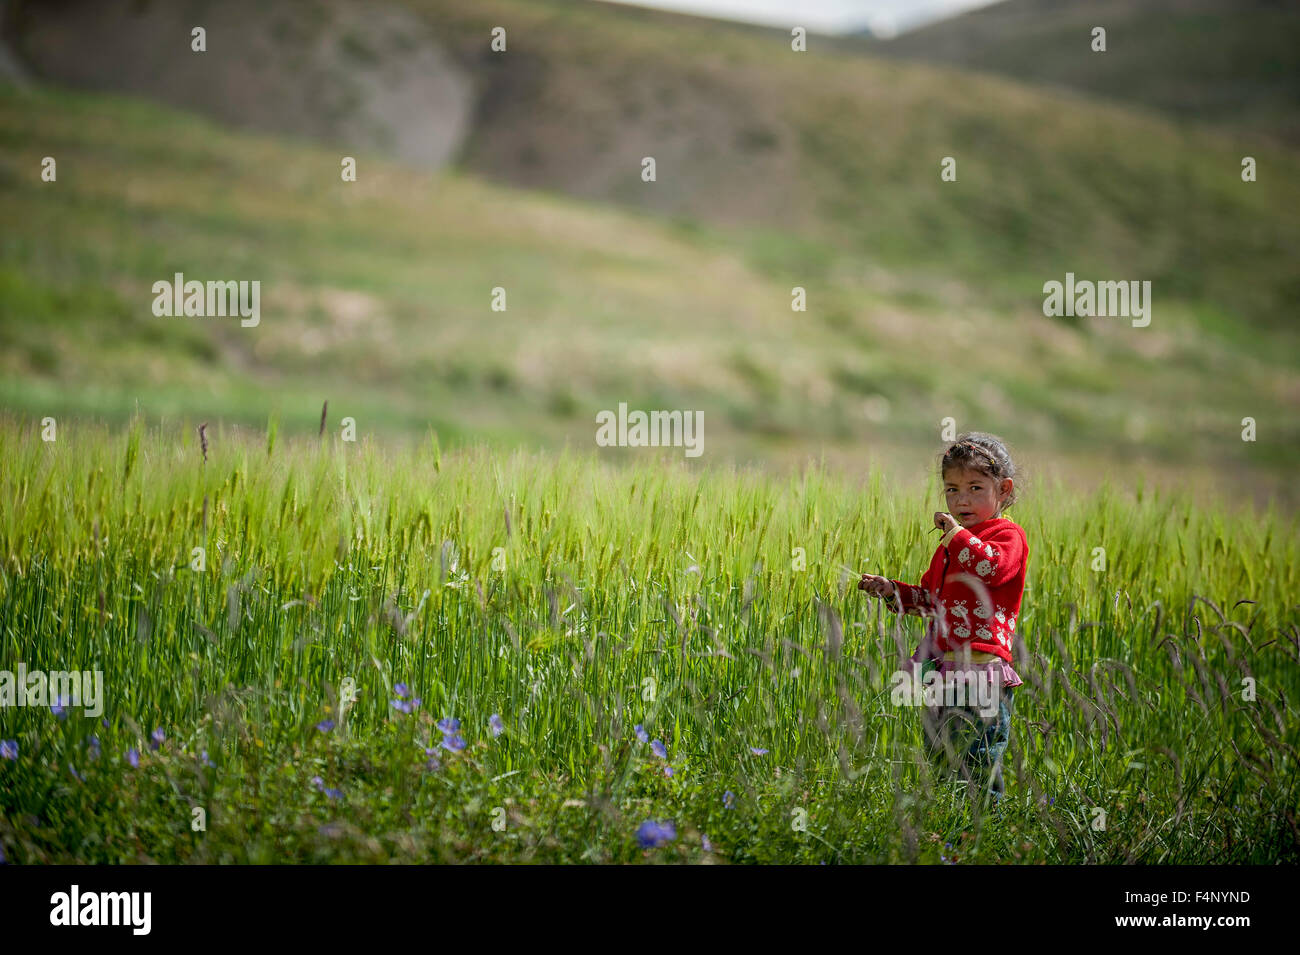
pixel 878 586
pixel 945 522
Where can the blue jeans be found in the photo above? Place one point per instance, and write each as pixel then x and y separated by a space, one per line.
pixel 962 738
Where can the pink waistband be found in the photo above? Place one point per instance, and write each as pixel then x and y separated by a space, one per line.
pixel 1000 670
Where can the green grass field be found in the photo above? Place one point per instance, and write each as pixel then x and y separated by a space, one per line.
pixel 265 609
pixel 627 590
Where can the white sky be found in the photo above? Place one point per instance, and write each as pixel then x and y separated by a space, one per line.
pixel 885 17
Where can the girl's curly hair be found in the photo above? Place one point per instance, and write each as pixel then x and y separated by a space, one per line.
pixel 985 453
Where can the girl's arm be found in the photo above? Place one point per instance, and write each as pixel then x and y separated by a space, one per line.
pixel 909 599
pixel 898 596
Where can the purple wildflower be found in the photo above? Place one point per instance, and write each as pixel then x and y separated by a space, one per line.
pixel 758 752
pixel 8 749
pixel 495 725
pixel 402 690
pixel 641 734
pixel 652 834
pixel 448 725
pixel 453 742
pixel 728 800
pixel 203 758
pixel 59 707
pixel 658 748
pixel 433 765
pixel 668 771
pixel 334 793
pixel 73 769
pixel 325 725
pixel 402 706
pixel 157 736
pixel 133 757
pixel 93 749
pixel 704 841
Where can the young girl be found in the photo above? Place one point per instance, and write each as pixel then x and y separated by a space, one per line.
pixel 971 595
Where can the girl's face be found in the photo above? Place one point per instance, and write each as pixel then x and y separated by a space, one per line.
pixel 973 497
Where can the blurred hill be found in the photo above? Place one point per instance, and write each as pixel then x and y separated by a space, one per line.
pixel 1234 62
pixel 372 76
pixel 775 169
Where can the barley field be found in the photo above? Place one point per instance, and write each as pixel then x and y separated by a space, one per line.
pixel 321 651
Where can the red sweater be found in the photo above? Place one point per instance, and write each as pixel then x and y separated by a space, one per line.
pixel 971 591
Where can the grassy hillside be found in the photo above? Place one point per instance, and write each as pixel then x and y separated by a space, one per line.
pixel 369 75
pixel 846 150
pixel 1229 62
pixel 825 146
pixel 775 170
pixel 377 294
pixel 579 603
